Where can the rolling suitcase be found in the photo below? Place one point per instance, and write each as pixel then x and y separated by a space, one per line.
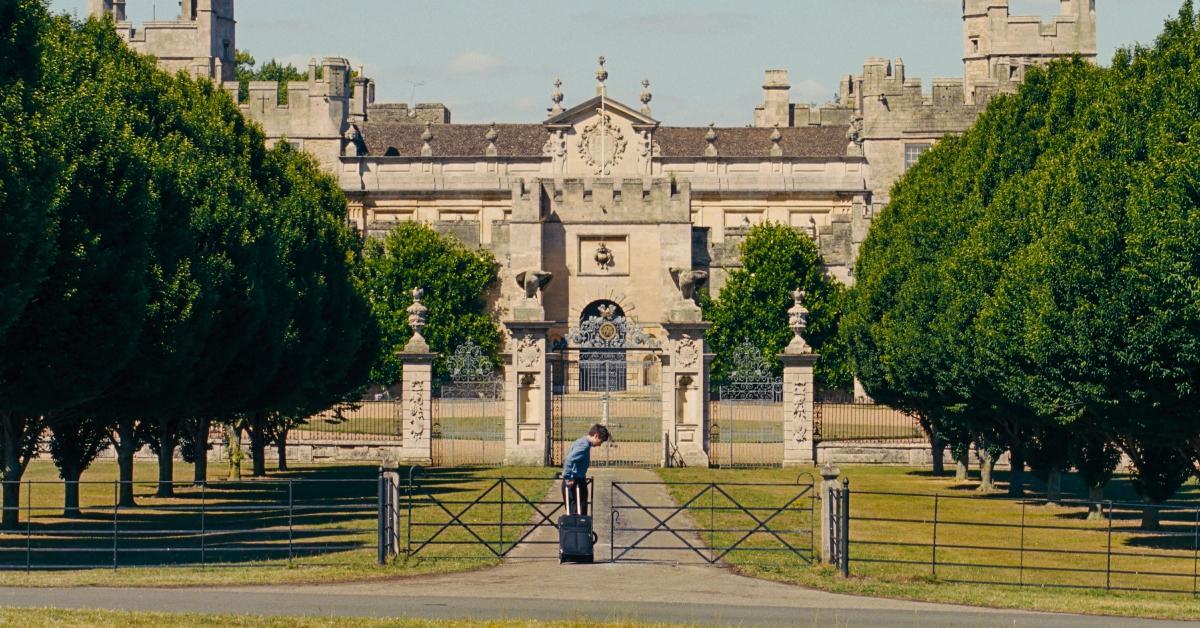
pixel 576 539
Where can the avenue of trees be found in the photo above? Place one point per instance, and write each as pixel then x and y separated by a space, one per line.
pixel 163 270
pixel 1034 285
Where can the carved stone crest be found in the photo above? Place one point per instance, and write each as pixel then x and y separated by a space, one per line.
pixel 528 352
pixel 601 144
pixel 687 351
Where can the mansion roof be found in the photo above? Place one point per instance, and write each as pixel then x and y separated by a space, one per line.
pixel 395 139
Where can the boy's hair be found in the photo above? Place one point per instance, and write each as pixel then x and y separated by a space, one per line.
pixel 601 431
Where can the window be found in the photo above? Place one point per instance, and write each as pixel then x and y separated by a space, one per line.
pixel 913 152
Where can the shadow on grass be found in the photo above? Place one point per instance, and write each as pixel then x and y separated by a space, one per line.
pixel 297 514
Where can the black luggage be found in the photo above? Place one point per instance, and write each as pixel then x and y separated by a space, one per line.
pixel 575 539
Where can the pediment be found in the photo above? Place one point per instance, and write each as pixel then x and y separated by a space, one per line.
pixel 587 109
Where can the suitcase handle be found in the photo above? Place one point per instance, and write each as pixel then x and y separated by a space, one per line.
pixel 595 538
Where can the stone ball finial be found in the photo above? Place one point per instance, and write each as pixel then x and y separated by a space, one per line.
pixel 776 136
pixel 710 135
pixel 427 134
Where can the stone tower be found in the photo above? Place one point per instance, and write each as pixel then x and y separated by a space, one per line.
pixel 202 41
pixel 997 46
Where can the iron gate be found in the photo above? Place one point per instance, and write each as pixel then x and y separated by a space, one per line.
pixel 747 415
pixel 609 372
pixel 468 411
pixel 711 521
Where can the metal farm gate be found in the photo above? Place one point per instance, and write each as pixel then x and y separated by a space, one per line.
pixel 747 415
pixel 609 372
pixel 468 411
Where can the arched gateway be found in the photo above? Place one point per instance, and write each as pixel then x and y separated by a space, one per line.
pixel 606 373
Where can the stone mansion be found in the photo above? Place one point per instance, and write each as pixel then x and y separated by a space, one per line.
pixel 605 220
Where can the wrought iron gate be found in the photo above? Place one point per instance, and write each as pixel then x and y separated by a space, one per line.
pixel 468 411
pixel 608 372
pixel 747 416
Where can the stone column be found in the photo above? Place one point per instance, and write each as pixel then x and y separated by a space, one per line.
pixel 416 390
pixel 527 376
pixel 798 360
pixel 685 393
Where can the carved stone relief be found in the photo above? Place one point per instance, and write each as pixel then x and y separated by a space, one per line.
pixel 528 352
pixel 416 410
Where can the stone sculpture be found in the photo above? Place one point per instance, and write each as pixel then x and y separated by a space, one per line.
pixel 688 281
pixel 533 281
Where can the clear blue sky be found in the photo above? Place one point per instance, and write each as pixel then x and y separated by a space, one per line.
pixel 495 60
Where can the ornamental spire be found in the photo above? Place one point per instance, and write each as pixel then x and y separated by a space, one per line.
pixel 601 77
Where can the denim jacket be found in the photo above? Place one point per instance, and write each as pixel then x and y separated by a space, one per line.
pixel 575 466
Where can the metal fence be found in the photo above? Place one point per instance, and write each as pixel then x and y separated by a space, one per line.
pixel 378 418
pixel 1037 543
pixel 714 522
pixel 839 416
pixel 486 519
pixel 261 522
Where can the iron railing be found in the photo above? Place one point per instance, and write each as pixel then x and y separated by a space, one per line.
pixel 841 417
pixel 952 538
pixel 259 522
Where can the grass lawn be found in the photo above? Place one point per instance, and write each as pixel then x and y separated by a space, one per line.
pixel 37 618
pixel 246 528
pixel 967 520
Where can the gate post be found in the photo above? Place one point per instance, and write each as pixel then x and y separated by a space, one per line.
pixel 527 389
pixel 829 512
pixel 416 390
pixel 389 511
pixel 685 392
pixel 798 360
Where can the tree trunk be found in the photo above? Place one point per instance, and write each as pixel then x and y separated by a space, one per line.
pixel 1095 508
pixel 12 482
pixel 1150 516
pixel 985 473
pixel 1054 486
pixel 200 452
pixel 127 446
pixel 938 448
pixel 1016 473
pixel 961 470
pixel 166 460
pixel 14 467
pixel 70 492
pixel 258 445
pixel 281 446
pixel 233 443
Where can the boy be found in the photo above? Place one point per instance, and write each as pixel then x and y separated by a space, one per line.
pixel 575 468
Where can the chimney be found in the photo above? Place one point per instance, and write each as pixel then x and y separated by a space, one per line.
pixel 776 109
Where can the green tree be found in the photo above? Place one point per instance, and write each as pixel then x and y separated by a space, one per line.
pixel 754 301
pixel 272 70
pixel 456 282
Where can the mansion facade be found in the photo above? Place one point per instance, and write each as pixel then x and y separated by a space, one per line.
pixel 605 220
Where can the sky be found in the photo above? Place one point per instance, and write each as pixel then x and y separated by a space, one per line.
pixel 492 60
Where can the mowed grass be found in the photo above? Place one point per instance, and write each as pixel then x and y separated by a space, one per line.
pixel 38 618
pixel 983 531
pixel 242 530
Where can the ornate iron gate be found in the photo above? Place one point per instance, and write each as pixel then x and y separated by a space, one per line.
pixel 468 411
pixel 747 416
pixel 608 372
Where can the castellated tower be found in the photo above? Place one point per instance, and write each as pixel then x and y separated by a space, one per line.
pixel 998 47
pixel 202 41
